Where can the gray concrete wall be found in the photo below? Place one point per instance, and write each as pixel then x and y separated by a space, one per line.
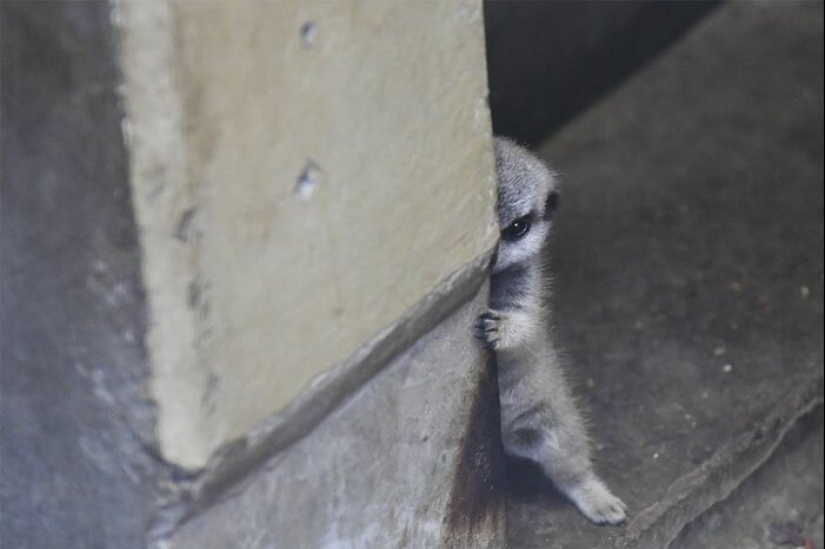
pixel 303 173
pixel 76 424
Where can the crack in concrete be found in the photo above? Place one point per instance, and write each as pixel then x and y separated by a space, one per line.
pixel 689 497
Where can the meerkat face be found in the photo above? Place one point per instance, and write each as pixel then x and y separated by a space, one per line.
pixel 527 199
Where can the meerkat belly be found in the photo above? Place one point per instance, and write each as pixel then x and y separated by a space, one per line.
pixel 524 378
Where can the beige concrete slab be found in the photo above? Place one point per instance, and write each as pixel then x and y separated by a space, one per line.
pixel 304 173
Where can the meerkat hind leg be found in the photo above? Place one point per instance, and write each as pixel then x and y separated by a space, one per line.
pixel 596 501
pixel 571 472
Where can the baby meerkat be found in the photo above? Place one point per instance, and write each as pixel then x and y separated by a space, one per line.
pixel 539 418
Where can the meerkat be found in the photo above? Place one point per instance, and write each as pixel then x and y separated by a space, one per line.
pixel 539 418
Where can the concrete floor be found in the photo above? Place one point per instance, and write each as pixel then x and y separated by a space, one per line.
pixel 688 266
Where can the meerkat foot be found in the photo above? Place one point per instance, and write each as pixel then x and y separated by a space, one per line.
pixel 597 503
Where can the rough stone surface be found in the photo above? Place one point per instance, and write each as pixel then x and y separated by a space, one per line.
pixel 76 462
pixel 285 220
pixel 688 263
pixel 411 461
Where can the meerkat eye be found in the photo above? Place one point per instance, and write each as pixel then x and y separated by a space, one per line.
pixel 517 229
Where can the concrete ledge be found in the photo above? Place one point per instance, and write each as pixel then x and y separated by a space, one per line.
pixel 786 489
pixel 320 398
pixel 412 460
pixel 715 480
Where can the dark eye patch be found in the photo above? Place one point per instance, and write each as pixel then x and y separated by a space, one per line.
pixel 552 204
pixel 517 229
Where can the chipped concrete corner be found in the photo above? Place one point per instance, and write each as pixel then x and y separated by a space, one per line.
pixel 314 189
pixel 162 193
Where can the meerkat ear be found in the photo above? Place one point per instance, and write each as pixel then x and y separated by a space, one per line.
pixel 551 205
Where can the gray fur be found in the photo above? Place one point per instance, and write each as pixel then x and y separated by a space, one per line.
pixel 539 418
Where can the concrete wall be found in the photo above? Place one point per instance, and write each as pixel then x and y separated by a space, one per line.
pixel 77 469
pixel 243 245
pixel 304 173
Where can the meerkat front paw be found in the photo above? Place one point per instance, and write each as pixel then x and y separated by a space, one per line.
pixel 499 330
pixel 596 502
pixel 504 330
pixel 489 328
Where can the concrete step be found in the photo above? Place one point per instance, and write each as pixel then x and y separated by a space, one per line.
pixel 688 272
pixel 779 502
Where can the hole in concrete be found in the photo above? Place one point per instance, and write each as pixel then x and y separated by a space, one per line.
pixel 308 34
pixel 308 180
pixel 184 231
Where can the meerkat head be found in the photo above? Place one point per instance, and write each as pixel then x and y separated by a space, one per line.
pixel 527 199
